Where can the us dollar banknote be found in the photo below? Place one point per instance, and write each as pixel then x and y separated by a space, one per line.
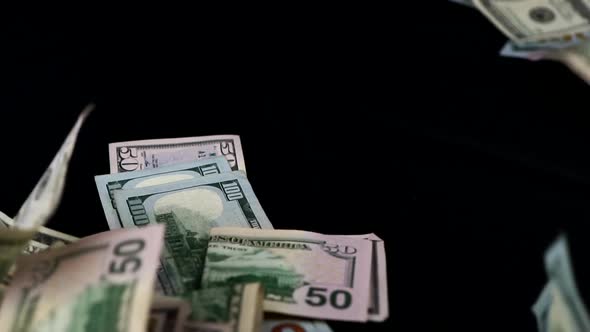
pixel 189 209
pixel 154 153
pixel 303 273
pixel 378 299
pixel 109 183
pixel 100 283
pixel 292 325
pixel 542 307
pixel 567 308
pixel 41 203
pixel 560 23
pixel 43 239
pixel 233 308
pixel 45 197
pixel 168 314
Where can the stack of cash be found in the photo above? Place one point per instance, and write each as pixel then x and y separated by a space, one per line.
pixel 540 29
pixel 190 249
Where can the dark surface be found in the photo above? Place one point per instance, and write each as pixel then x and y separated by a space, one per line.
pixel 466 163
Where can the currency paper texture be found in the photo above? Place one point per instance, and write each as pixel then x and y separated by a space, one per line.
pixel 378 297
pixel 559 23
pixel 303 273
pixel 45 197
pixel 189 209
pixel 233 308
pixel 107 184
pixel 100 283
pixel 154 153
pixel 567 308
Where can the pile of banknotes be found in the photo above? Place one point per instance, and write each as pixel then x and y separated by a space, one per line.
pixel 560 306
pixel 539 29
pixel 190 249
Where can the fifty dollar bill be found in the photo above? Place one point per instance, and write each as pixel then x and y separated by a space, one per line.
pixel 154 153
pixel 100 283
pixel 303 273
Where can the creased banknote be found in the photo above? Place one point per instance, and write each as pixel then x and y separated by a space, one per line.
pixel 303 273
pixel 378 297
pixel 43 239
pixel 101 283
pixel 45 197
pixel 107 184
pixel 559 307
pixel 189 209
pixel 154 153
pixel 41 203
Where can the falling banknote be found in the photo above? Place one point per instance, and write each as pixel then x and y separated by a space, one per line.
pixel 101 283
pixel 303 273
pixel 154 153
pixel 189 209
pixel 41 203
pixel 567 312
pixel 541 23
pixel 107 184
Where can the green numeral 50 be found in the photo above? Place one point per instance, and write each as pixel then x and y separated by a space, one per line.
pixel 339 299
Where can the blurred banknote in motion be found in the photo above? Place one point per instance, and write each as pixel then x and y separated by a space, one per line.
pixel 101 283
pixel 559 23
pixel 560 306
pixel 41 203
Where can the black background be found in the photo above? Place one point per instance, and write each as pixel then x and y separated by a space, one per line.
pixel 404 122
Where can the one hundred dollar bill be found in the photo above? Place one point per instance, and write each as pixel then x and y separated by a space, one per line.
pixel 560 23
pixel 303 273
pixel 234 308
pixel 154 153
pixel 567 307
pixel 45 197
pixel 168 314
pixel 189 209
pixel 378 296
pixel 289 325
pixel 101 283
pixel 107 184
